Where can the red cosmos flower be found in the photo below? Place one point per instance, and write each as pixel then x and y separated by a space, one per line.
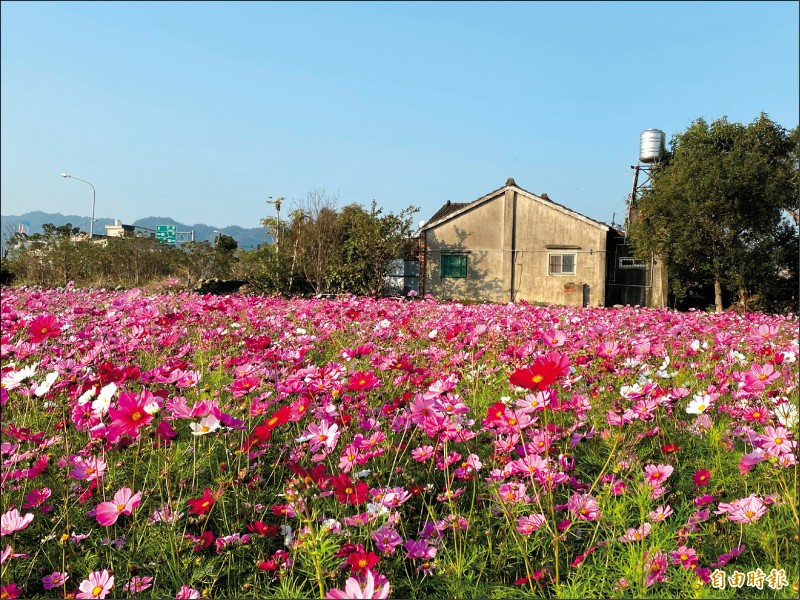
pixel 543 372
pixel 349 492
pixel 279 417
pixel 670 448
pixel 200 506
pixel 360 382
pixel 262 433
pixel 360 562
pixel 494 414
pixel 701 477
pixel 261 528
pixel 44 327
pixel 317 475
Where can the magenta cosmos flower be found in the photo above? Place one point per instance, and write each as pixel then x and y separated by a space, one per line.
pixel 12 521
pixel 124 502
pixel 97 585
pixel 55 580
pixel 355 589
pixel 130 415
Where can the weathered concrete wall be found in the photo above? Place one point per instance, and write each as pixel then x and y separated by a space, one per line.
pixel 479 233
pixel 541 224
pixel 507 239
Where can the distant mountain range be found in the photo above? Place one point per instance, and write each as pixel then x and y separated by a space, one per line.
pixel 248 239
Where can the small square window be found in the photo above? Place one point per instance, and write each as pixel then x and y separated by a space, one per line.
pixel 629 262
pixel 561 264
pixel 453 265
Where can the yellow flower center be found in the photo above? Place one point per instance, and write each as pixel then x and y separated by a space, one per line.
pixel 136 416
pixel 348 490
pixel 778 441
pixel 536 378
pixel 96 591
pixel 120 507
pixel 749 514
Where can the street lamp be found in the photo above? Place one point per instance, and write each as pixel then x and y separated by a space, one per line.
pixel 94 194
pixel 277 203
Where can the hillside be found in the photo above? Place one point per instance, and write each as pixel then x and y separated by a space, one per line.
pixel 247 238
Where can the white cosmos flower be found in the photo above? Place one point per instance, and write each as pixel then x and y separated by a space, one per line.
pixel 15 378
pixel 104 398
pixel 786 414
pixel 206 425
pixel 87 395
pixel 152 407
pixel 699 403
pixel 48 382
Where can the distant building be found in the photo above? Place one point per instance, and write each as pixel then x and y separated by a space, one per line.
pixel 118 229
pixel 512 245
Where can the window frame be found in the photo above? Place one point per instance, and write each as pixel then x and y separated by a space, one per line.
pixel 463 269
pixel 561 272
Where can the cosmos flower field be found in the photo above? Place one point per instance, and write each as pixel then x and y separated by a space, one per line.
pixel 184 446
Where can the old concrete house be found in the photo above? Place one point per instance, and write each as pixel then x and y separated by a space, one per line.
pixel 512 245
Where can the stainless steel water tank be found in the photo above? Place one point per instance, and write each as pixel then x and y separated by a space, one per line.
pixel 651 145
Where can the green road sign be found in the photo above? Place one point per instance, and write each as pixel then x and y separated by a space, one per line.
pixel 167 234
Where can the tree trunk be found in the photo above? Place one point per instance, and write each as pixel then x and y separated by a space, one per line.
pixel 718 293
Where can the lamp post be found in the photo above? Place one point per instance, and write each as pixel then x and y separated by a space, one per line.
pixel 277 203
pixel 94 194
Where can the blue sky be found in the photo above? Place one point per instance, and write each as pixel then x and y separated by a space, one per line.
pixel 201 110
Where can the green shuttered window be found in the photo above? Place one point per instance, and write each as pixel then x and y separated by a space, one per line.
pixel 454 265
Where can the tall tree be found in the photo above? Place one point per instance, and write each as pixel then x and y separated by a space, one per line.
pixel 719 194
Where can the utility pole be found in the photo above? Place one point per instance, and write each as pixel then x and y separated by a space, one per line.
pixel 277 203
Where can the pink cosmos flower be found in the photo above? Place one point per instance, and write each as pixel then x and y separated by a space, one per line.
pixel 775 440
pixel 386 539
pixel 759 377
pixel 419 549
pixel 353 588
pixel 660 513
pixel 187 593
pixel 422 453
pixel 685 557
pixel 12 521
pixel 125 502
pixel 657 474
pixel 656 567
pixel 526 525
pixel 744 510
pixel 513 493
pixel 584 507
pixel 55 580
pixel 138 584
pixel 97 585
pixel 323 435
pixel 636 535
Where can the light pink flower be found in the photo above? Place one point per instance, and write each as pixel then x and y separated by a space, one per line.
pixel 657 474
pixel 744 510
pixel 584 507
pixel 125 502
pixel 12 521
pixel 355 589
pixel 97 585
pixel 636 535
pixel 187 593
pixel 775 440
pixel 526 525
